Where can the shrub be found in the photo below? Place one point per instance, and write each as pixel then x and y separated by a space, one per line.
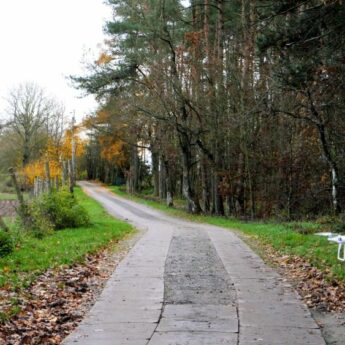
pixel 333 223
pixel 338 224
pixel 63 210
pixel 6 244
pixel 338 227
pixel 54 211
pixel 39 224
pixel 326 220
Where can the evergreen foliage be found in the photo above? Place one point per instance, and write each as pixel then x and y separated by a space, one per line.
pixel 239 103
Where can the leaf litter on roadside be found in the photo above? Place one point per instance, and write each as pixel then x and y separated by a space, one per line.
pixel 316 287
pixel 47 311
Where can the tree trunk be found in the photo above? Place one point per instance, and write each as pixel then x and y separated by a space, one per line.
pixel 205 186
pixel 23 208
pixel 239 190
pixel 70 176
pixel 328 154
pixel 333 168
pixel 134 171
pixel 218 206
pixel 168 184
pixel 188 188
pixel 162 178
pixel 26 148
pixel 155 173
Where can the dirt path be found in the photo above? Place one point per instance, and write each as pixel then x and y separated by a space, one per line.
pixel 191 284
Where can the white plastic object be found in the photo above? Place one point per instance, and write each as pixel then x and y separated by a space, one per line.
pixel 325 234
pixel 341 245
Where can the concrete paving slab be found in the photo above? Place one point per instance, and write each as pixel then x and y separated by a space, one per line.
pixel 191 284
pixel 130 314
pixel 133 296
pixel 113 334
pixel 200 312
pixel 193 338
pixel 272 316
pixel 280 336
pixel 215 325
pixel 270 311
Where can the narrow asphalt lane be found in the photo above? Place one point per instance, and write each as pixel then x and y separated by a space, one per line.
pixel 185 283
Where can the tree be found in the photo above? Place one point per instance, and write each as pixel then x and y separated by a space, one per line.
pixel 34 117
pixel 308 38
pixel 201 85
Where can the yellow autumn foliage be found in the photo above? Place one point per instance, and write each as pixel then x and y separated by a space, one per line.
pixel 54 154
pixel 65 151
pixel 37 169
pixel 113 151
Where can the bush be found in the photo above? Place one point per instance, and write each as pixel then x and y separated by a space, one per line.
pixel 6 244
pixel 338 228
pixel 333 223
pixel 326 220
pixel 63 210
pixel 39 224
pixel 338 224
pixel 54 211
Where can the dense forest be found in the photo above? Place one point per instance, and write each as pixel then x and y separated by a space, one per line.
pixel 236 106
pixel 239 103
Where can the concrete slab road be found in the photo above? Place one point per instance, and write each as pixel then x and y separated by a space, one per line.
pixel 191 284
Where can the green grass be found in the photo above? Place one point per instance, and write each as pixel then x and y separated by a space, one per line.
pixel 293 238
pixel 34 256
pixel 7 196
pixel 12 196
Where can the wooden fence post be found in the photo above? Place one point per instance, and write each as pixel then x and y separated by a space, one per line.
pixel 36 187
pixel 39 186
pixel 48 180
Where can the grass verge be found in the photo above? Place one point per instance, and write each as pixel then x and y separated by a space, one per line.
pixel 8 196
pixel 285 238
pixel 12 196
pixel 64 247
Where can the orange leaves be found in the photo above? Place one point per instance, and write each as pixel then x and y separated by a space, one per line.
pixel 113 151
pixel 104 59
pixel 109 129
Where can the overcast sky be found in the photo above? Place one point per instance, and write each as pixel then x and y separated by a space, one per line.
pixel 46 40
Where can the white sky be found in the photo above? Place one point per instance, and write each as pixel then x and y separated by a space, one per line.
pixel 46 40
